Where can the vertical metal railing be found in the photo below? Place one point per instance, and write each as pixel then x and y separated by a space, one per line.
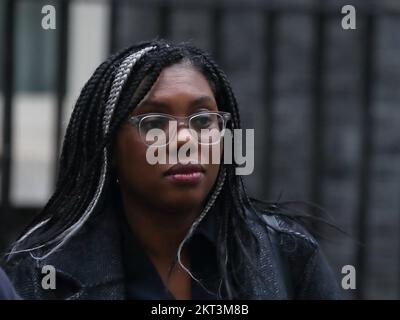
pixel 317 106
pixel 61 76
pixel 269 74
pixel 164 16
pixel 8 91
pixel 367 133
pixel 113 27
pixel 216 32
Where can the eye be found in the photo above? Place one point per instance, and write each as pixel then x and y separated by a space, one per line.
pixel 154 122
pixel 203 121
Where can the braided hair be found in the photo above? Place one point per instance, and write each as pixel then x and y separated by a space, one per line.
pixel 85 169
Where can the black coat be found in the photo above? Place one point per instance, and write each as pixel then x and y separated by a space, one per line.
pixel 89 265
pixel 7 291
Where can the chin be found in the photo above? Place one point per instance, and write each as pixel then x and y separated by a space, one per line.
pixel 184 202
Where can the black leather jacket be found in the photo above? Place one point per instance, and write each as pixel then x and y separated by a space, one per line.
pixel 89 265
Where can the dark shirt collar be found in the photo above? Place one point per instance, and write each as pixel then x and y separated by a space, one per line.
pixel 142 278
pixel 208 228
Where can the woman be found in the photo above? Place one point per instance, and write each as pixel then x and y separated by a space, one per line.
pixel 118 227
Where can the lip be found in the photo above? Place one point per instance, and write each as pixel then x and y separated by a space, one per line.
pixel 185 173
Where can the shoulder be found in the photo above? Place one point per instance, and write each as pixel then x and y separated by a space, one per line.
pixel 95 246
pixel 302 258
pixel 287 232
pixel 287 235
pixel 294 241
pixel 293 234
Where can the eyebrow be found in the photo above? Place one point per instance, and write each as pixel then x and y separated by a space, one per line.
pixel 163 105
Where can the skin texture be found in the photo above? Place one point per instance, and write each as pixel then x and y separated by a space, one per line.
pixel 160 210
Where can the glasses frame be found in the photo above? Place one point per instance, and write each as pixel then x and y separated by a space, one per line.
pixel 137 120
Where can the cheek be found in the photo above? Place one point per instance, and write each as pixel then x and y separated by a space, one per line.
pixel 213 155
pixel 130 157
pixel 215 151
pixel 213 170
pixel 139 178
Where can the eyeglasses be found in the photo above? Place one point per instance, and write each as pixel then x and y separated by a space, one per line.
pixel 158 129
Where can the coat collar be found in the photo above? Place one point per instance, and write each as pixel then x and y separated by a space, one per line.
pixel 91 262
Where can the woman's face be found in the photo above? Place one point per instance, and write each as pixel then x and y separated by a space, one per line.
pixel 180 91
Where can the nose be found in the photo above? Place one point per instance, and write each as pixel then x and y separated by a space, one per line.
pixel 184 138
pixel 183 135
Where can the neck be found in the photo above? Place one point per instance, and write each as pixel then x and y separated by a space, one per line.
pixel 159 231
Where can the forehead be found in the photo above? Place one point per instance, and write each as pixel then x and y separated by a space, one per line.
pixel 177 80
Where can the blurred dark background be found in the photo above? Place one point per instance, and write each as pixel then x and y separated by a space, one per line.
pixel 324 103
